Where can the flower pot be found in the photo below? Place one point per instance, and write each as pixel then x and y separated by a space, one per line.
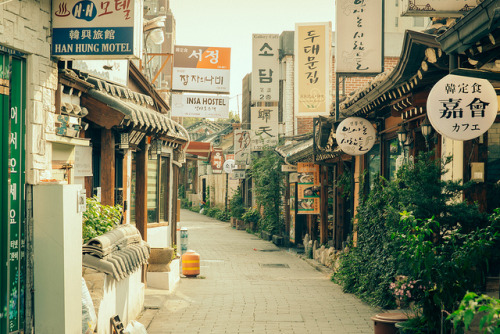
pixel 240 224
pixel 384 323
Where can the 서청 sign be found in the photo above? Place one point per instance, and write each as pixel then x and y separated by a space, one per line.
pixel 96 29
pixel 205 106
pixel 201 69
pixel 355 135
pixel 462 108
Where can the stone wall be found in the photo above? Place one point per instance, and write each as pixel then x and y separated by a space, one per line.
pixel 26 27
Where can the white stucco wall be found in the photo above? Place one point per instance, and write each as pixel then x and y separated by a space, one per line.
pixel 25 26
pixel 124 298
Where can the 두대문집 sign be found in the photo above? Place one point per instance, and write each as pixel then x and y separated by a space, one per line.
pixel 462 108
pixel 96 29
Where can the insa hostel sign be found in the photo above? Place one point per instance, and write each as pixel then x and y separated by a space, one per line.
pixel 96 29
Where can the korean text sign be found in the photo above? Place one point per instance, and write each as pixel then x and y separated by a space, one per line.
pixel 437 8
pixel 196 105
pixel 217 160
pixel 355 135
pixel 265 67
pixel 359 28
pixel 242 144
pixel 264 123
pixel 96 29
pixel 462 108
pixel 201 69
pixel 312 69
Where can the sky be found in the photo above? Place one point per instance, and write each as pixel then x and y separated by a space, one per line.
pixel 231 23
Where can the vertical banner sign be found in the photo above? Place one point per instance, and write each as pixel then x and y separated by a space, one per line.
pixel 359 28
pixel 242 143
pixel 201 69
pixel 217 160
pixel 12 96
pixel 292 211
pixel 265 67
pixel 264 125
pixel 313 69
pixel 308 188
pixel 85 29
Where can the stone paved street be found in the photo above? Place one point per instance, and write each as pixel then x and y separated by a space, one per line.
pixel 238 292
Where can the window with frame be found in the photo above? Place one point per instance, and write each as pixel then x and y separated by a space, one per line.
pixel 158 190
pixel 394 158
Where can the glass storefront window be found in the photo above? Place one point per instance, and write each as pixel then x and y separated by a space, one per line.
pixel 373 165
pixel 394 158
pixel 152 191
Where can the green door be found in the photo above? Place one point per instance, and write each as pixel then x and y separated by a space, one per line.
pixel 12 229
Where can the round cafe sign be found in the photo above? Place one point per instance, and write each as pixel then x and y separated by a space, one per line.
pixel 228 166
pixel 462 108
pixel 355 135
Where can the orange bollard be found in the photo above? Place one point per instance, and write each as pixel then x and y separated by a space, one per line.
pixel 191 263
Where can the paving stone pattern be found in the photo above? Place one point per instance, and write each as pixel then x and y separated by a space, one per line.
pixel 243 289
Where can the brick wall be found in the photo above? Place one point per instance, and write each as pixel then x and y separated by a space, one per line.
pixel 25 26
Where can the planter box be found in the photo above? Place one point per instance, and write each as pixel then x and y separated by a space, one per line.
pixel 278 240
pixel 165 280
pixel 265 235
pixel 233 222
pixel 240 225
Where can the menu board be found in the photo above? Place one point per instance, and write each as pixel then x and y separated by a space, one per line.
pixel 308 189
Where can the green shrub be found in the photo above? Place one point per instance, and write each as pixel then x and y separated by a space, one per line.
pixel 223 215
pixel 473 305
pixel 236 206
pixel 99 219
pixel 368 269
pixel 251 216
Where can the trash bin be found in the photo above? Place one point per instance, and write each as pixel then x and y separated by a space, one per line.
pixel 184 240
pixel 385 323
pixel 191 263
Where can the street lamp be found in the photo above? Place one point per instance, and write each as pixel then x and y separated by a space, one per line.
pixel 426 129
pixel 402 135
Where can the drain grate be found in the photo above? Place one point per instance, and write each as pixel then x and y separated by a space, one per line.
pixel 274 265
pixel 269 250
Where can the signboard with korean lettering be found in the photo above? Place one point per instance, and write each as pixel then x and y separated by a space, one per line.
pixel 264 123
pixel 204 106
pixel 308 188
pixel 242 144
pixel 355 135
pixel 462 108
pixel 238 174
pixel 201 69
pixel 228 166
pixel 313 63
pixel 437 8
pixel 217 160
pixel 359 42
pixel 12 202
pixel 265 67
pixel 96 29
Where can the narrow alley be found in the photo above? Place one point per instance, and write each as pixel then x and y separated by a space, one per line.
pixel 248 285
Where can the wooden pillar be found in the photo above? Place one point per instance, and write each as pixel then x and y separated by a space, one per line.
pixel 323 230
pixel 174 192
pixel 339 219
pixel 141 197
pixel 126 185
pixel 287 205
pixel 107 167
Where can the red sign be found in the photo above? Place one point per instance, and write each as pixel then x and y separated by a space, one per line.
pixel 217 160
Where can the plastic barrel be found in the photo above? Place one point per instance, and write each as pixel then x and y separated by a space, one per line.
pixel 191 263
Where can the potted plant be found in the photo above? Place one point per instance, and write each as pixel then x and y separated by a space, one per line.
pixel 236 207
pixel 480 311
pixel 444 264
pixel 99 219
pixel 251 217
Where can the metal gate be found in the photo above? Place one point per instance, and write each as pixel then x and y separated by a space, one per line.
pixel 12 182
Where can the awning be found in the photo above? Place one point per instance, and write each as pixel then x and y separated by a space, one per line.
pixel 199 148
pixel 133 109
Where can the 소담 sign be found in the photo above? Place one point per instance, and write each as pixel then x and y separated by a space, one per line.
pixel 97 29
pixel 462 108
